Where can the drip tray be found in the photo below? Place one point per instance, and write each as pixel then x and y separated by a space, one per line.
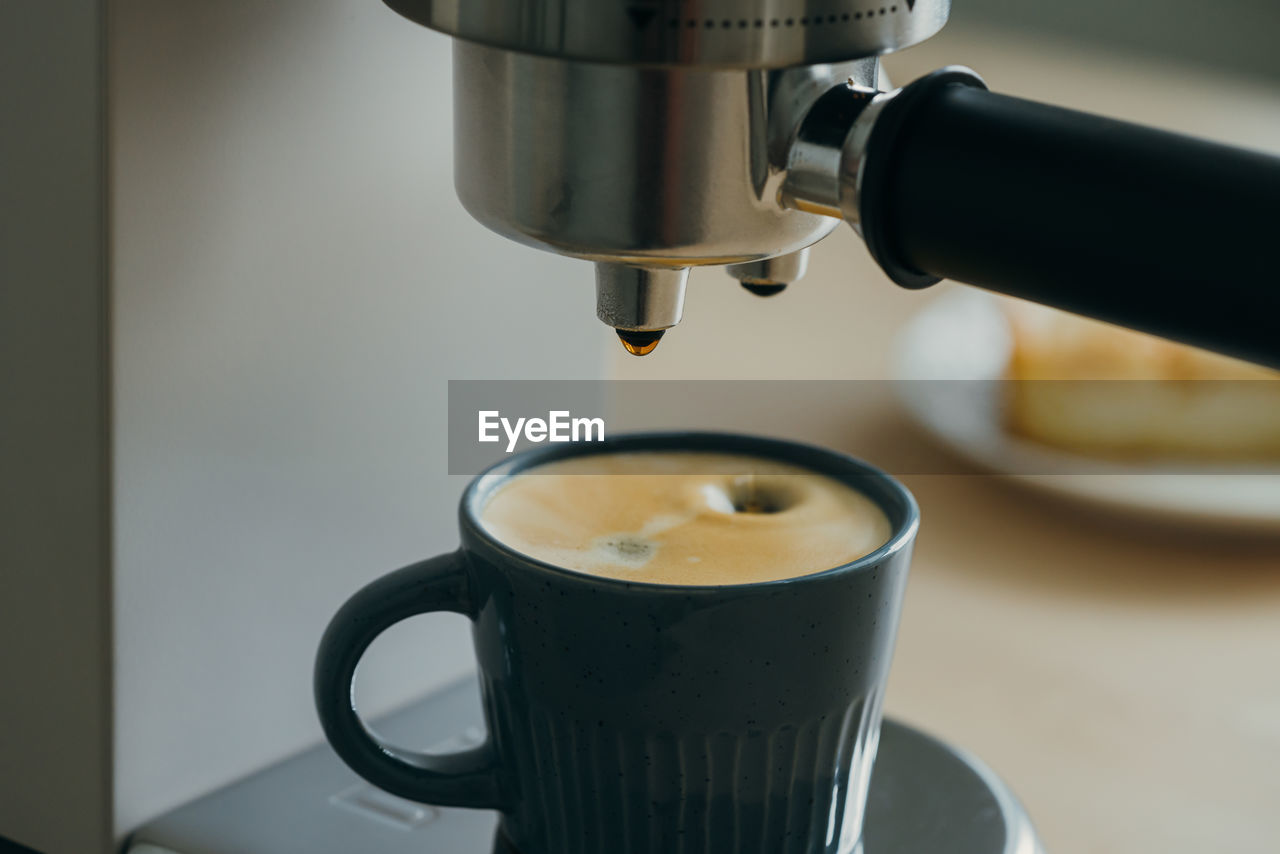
pixel 926 798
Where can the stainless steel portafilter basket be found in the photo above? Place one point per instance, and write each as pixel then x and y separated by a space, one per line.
pixel 652 137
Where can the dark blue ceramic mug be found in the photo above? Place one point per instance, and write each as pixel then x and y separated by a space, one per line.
pixel 633 717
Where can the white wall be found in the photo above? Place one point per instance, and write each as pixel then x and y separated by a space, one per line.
pixel 294 283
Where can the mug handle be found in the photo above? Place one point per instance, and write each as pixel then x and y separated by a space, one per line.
pixel 468 778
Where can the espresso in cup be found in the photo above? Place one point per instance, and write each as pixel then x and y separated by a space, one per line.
pixel 682 642
pixel 684 518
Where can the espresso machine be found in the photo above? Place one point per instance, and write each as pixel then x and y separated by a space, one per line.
pixel 652 136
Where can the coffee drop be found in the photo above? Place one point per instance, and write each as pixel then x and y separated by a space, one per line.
pixel 640 343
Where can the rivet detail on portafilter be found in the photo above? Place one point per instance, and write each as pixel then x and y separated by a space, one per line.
pixel 703 33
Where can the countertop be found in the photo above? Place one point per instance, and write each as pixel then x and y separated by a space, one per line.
pixel 1123 674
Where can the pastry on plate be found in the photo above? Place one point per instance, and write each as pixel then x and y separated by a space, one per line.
pixel 1101 390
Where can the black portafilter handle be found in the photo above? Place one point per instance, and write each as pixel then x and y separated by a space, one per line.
pixel 1152 230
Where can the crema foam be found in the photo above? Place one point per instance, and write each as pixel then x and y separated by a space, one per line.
pixel 670 517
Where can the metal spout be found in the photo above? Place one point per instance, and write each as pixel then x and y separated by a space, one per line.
pixel 640 302
pixel 771 276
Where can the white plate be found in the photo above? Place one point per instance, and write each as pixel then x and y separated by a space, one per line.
pixel 964 336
